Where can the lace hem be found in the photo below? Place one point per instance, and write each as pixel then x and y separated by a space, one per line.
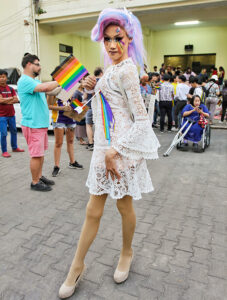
pixel 135 179
pixel 103 192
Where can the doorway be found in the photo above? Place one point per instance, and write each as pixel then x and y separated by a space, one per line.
pixel 195 61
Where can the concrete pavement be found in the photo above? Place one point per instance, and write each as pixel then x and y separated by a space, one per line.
pixel 180 242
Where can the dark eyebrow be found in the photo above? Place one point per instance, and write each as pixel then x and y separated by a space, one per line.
pixel 117 35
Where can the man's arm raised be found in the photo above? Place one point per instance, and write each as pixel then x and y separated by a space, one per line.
pixel 46 87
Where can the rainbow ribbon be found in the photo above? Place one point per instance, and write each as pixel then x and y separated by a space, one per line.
pixel 107 117
pixel 69 73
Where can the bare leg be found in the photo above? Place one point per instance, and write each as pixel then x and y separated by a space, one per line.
pixel 59 135
pixel 90 228
pixel 70 134
pixel 41 169
pixel 36 164
pixel 89 133
pixel 126 209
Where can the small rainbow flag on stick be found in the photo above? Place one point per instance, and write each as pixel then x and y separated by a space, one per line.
pixel 77 105
pixel 78 112
pixel 107 116
pixel 69 73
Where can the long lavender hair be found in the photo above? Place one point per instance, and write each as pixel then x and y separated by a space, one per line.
pixel 132 26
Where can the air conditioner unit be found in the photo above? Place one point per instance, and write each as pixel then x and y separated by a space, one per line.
pixel 188 47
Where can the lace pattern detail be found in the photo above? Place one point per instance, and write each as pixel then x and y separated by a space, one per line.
pixel 135 140
pixel 135 178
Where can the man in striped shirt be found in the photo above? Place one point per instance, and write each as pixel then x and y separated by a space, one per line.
pixel 166 96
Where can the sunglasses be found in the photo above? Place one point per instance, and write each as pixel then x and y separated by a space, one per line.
pixel 38 65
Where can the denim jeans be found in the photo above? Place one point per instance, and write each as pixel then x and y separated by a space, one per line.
pixel 4 123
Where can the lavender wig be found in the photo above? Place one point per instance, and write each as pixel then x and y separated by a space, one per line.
pixel 132 26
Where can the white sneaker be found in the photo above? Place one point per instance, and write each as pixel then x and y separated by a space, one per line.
pixel 175 129
pixel 220 122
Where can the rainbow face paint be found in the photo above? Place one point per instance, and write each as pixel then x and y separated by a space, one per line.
pixel 118 30
pixel 120 46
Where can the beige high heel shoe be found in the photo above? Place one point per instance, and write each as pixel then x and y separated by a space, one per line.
pixel 120 276
pixel 67 291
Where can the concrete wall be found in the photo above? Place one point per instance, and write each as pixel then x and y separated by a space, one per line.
pixel 16 37
pixel 157 44
pixel 205 40
pixel 11 34
pixel 84 49
pixel 73 7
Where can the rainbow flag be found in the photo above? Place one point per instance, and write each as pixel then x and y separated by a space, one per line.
pixel 69 73
pixel 75 103
pixel 107 116
pixel 78 106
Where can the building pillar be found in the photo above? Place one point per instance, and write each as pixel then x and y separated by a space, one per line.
pixel 30 36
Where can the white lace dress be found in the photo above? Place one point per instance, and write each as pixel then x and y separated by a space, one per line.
pixel 134 141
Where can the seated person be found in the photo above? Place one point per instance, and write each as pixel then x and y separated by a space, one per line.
pixel 194 111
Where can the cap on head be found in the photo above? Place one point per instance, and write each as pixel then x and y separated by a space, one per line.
pixel 215 77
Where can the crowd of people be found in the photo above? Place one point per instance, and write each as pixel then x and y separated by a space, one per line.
pixel 173 88
pixel 118 166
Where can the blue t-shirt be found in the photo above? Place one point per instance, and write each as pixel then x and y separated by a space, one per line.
pixel 34 108
pixel 194 115
pixel 145 89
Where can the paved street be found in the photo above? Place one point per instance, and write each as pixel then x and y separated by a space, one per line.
pixel 180 243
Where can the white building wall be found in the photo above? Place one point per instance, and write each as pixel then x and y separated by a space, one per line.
pixel 16 38
pixel 84 49
pixel 71 7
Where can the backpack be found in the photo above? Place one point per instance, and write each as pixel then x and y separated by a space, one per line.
pixel 208 90
pixel 203 95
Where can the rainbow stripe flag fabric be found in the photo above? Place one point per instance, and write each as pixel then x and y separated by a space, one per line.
pixel 69 72
pixel 107 117
pixel 78 106
pixel 75 103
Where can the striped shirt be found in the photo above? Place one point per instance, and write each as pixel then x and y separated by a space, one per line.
pixel 166 92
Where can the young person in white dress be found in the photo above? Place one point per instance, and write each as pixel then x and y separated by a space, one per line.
pixel 118 168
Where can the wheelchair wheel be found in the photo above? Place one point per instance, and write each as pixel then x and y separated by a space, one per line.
pixel 206 138
pixel 179 145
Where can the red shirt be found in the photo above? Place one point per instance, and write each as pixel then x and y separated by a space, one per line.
pixel 7 110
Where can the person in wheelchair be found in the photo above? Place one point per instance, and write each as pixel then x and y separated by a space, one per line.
pixel 197 113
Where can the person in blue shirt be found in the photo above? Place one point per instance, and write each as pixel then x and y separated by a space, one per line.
pixel 194 111
pixel 145 90
pixel 35 118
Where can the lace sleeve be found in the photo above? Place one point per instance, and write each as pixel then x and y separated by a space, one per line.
pixel 140 141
